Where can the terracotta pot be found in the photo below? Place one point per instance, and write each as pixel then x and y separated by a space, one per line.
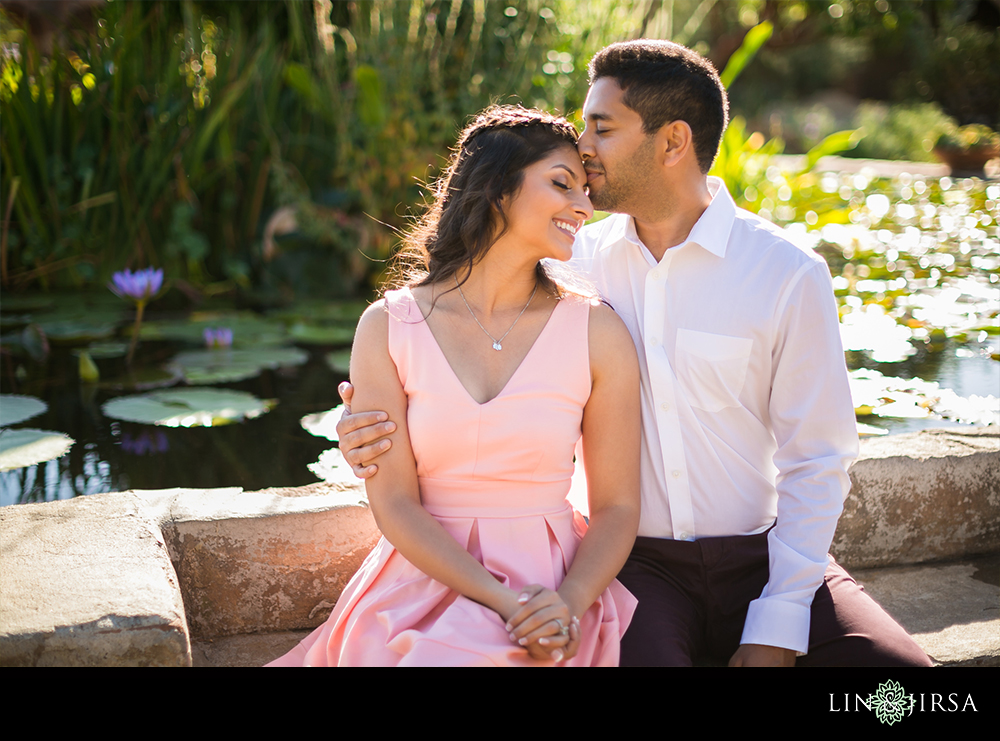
pixel 967 161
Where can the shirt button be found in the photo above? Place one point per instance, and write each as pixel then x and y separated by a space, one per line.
pixel 665 407
pixel 675 474
pixel 653 341
pixel 656 274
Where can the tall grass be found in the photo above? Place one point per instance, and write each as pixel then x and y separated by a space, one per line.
pixel 171 134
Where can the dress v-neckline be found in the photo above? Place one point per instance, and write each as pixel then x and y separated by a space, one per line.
pixel 451 368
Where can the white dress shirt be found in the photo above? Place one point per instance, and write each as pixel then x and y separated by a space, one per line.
pixel 747 417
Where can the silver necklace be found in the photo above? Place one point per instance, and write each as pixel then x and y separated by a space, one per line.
pixel 496 343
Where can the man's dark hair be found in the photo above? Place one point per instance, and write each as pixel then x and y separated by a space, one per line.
pixel 664 82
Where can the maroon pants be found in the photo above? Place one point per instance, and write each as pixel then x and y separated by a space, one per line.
pixel 693 601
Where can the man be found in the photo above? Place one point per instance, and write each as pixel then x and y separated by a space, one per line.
pixel 748 426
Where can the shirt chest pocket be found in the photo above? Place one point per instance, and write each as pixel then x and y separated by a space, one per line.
pixel 711 368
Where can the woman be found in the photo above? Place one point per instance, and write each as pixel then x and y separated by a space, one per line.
pixel 492 371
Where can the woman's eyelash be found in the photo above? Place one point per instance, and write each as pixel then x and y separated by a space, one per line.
pixel 560 185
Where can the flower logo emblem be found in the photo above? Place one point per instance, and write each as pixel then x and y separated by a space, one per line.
pixel 890 702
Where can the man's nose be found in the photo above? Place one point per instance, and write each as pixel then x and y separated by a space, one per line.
pixel 584 145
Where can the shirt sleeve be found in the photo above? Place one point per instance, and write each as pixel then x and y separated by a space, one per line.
pixel 813 420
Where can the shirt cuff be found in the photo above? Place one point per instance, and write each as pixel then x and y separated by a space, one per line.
pixel 773 622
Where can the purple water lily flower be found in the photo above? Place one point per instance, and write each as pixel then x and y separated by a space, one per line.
pixel 142 285
pixel 218 337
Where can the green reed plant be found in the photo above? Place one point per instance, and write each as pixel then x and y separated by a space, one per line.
pixel 172 134
pixel 746 163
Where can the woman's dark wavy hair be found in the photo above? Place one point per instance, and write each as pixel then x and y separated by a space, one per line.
pixel 467 214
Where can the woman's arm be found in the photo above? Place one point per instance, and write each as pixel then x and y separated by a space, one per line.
pixel 394 495
pixel 611 429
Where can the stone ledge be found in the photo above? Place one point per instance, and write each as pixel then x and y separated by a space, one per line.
pixel 926 496
pixel 251 562
pixel 951 609
pixel 88 582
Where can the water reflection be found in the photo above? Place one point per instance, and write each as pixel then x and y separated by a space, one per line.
pixel 145 443
pixel 272 450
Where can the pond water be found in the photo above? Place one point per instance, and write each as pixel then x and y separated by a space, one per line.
pixel 113 455
pixel 915 267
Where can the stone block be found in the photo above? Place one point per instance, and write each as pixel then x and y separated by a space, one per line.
pixel 926 496
pixel 251 562
pixel 88 582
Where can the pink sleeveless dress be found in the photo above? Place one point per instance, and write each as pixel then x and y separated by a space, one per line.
pixel 496 476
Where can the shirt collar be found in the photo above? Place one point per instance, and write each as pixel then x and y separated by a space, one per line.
pixel 711 231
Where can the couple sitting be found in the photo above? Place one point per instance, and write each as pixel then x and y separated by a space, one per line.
pixel 716 388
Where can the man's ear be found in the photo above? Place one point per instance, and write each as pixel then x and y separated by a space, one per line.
pixel 674 142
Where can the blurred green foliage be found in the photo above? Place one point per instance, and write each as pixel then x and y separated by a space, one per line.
pixel 280 145
pixel 170 133
pixel 906 131
pixel 746 161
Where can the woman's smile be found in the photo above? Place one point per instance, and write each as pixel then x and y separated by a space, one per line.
pixel 568 226
pixel 555 189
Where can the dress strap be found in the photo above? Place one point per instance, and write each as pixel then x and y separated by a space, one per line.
pixel 404 318
pixel 401 306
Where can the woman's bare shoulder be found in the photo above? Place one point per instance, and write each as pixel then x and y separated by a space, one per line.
pixel 371 338
pixel 375 316
pixel 606 325
pixel 611 346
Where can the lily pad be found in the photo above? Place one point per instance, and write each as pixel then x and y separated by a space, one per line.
pixel 336 311
pixel 332 467
pixel 870 430
pixel 14 409
pixel 212 375
pixel 905 409
pixel 144 379
pixel 312 334
pixel 188 407
pixel 26 447
pixel 14 320
pixel 885 396
pixel 323 424
pixel 101 350
pixel 27 303
pixel 73 331
pixel 249 330
pixel 339 361
pixel 226 366
pixel 876 333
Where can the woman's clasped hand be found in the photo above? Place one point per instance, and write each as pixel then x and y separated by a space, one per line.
pixel 544 625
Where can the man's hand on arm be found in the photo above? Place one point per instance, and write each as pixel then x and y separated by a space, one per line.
pixel 753 654
pixel 361 435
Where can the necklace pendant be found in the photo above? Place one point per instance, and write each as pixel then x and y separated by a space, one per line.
pixel 497 346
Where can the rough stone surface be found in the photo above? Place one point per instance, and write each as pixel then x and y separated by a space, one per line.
pixel 246 650
pixel 88 582
pixel 951 609
pixel 926 496
pixel 252 562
